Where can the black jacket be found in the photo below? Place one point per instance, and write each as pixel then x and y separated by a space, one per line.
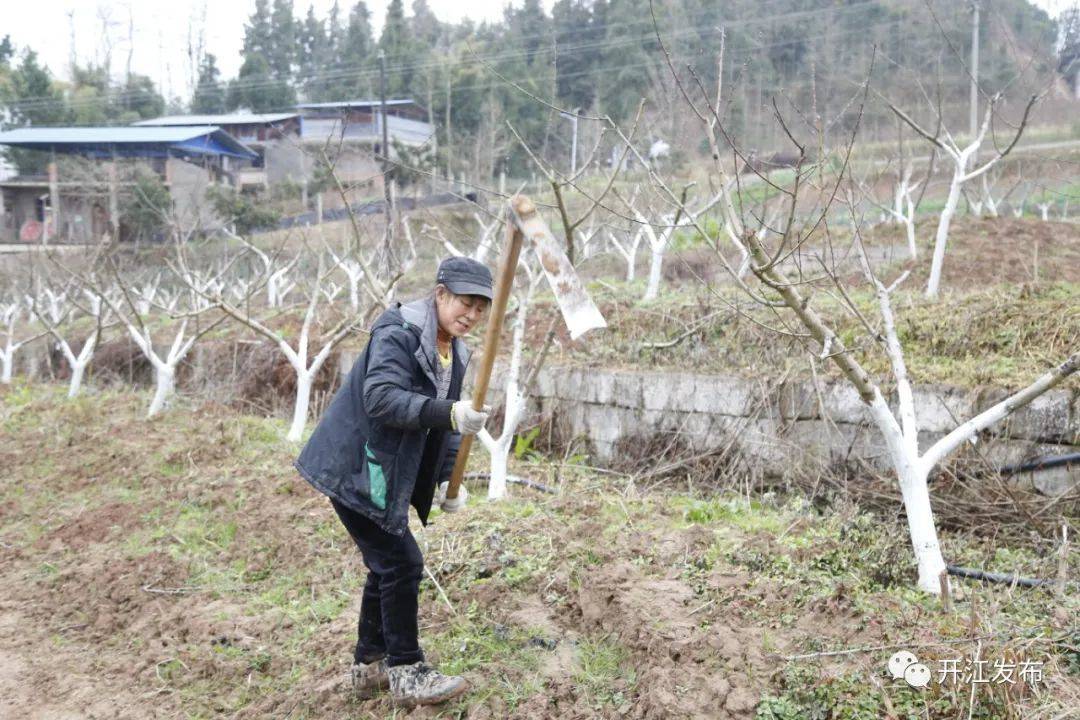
pixel 385 441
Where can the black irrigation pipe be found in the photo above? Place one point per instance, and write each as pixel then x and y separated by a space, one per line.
pixel 513 480
pixel 1004 578
pixel 1038 464
pixel 1044 462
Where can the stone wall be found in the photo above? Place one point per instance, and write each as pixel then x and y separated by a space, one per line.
pixel 793 425
pixel 785 427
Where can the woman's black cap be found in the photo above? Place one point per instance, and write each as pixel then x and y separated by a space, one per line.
pixel 465 276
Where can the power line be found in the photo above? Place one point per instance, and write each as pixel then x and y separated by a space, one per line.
pixel 358 73
pixel 495 83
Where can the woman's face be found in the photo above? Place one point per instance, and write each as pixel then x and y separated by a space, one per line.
pixel 459 314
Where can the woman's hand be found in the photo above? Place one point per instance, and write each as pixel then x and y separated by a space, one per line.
pixel 466 420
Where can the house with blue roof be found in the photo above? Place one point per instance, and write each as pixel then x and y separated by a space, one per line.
pixel 80 204
pixel 289 145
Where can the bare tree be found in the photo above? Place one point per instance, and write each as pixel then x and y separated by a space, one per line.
pixel 659 233
pixel 792 301
pixel 962 159
pixel 10 313
pixel 59 308
pixel 902 208
pixel 274 272
pixel 628 248
pixel 165 364
pixel 305 363
pixel 515 391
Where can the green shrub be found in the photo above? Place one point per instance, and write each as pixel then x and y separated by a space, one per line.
pixel 245 211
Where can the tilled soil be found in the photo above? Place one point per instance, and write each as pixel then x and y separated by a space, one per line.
pixel 179 568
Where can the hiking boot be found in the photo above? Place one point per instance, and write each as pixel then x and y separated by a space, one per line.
pixel 369 678
pixel 421 684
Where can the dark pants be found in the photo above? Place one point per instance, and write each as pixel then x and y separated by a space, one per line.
pixel 388 611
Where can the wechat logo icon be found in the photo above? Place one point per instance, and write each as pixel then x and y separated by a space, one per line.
pixel 905 666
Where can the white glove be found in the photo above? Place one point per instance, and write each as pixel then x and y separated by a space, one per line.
pixel 451 505
pixel 466 420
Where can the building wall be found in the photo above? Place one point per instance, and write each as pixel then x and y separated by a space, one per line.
pixel 286 161
pixel 20 205
pixel 366 127
pixel 187 185
pixel 83 218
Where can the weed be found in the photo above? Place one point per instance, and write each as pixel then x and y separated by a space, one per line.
pixel 603 672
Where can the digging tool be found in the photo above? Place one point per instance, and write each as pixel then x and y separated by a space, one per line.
pixel 523 222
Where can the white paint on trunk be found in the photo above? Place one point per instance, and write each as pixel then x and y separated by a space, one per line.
pixel 78 370
pixel 659 242
pixel 300 406
pixel 941 238
pixel 8 316
pixel 78 363
pixel 306 371
pixel 56 312
pixel 656 262
pixel 164 388
pixel 499 448
pixel 922 530
pixel 961 159
pixel 628 251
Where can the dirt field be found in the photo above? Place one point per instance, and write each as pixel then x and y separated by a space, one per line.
pixel 984 252
pixel 179 568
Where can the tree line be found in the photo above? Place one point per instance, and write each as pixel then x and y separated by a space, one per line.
pixel 599 57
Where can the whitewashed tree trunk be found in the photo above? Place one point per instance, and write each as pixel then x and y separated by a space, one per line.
pixel 988 197
pixel 484 244
pixel 78 371
pixel 146 294
pixel 499 448
pixel 10 316
pixel 922 529
pixel 909 226
pixel 941 238
pixel 304 381
pixel 7 353
pixel 1044 211
pixel 164 368
pixel 912 477
pixel 961 159
pixel 628 251
pixel 656 263
pixel 164 387
pixel 201 288
pixel 298 357
pixel 500 458
pixel 78 363
pixel 355 273
pixel 658 242
pixel 900 430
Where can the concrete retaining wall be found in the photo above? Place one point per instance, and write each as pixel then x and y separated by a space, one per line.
pixel 784 427
pixel 795 424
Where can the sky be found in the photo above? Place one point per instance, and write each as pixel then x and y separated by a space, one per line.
pixel 154 34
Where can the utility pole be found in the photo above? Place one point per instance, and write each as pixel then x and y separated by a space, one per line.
pixel 573 118
pixel 388 197
pixel 974 119
pixel 449 133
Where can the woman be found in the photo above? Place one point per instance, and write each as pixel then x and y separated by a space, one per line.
pixel 388 439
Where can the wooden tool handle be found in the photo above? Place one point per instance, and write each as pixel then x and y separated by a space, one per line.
pixel 504 282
